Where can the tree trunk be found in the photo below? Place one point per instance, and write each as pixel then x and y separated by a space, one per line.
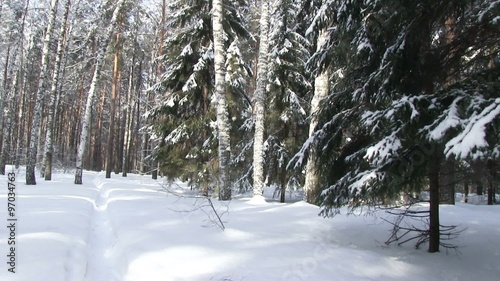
pixel 21 117
pixel 47 162
pixel 3 96
pixel 3 99
pixel 40 97
pixel 119 143
pixel 221 101
pixel 90 98
pixel 259 102
pixel 491 193
pixel 159 70
pixel 311 186
pixel 129 106
pixel 129 127
pixel 115 88
pixel 434 232
pixel 7 126
pixel 466 191
pixel 479 190
pixel 447 184
pixel 283 182
pixel 136 140
pixel 99 138
pixel 491 167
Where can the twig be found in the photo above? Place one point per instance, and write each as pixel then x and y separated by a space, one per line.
pixel 201 207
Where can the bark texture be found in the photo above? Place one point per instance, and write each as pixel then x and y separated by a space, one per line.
pixel 84 136
pixel 221 101
pixel 259 102
pixel 40 98
pixel 47 162
pixel 311 187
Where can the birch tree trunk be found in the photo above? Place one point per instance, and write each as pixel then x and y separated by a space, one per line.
pixel 40 97
pixel 21 116
pixel 22 92
pixel 7 122
pixel 311 187
pixel 259 102
pixel 92 91
pixel 47 161
pixel 221 101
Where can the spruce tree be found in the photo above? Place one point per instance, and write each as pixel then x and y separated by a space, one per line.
pixel 407 99
pixel 185 120
pixel 289 90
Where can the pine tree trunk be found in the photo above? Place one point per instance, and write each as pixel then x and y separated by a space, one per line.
pixel 119 143
pixel 491 193
pixel 84 135
pixel 491 170
pixel 434 232
pixel 47 162
pixel 155 166
pixel 466 191
pixel 259 102
pixel 128 123
pixel 221 101
pixel 40 97
pixel 112 111
pixel 311 187
pixel 3 96
pixel 137 122
pixel 479 188
pixel 3 99
pixel 127 128
pixel 99 138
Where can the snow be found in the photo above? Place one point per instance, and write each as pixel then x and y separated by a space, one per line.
pixel 177 135
pixel 186 51
pixel 474 134
pixel 130 229
pixel 380 151
pixel 447 121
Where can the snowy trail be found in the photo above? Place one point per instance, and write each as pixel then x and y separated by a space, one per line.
pixel 100 241
pixel 129 229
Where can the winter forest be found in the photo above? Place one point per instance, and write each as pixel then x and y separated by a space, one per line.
pixel 350 104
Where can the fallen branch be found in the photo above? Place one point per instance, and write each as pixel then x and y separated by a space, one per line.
pixel 214 216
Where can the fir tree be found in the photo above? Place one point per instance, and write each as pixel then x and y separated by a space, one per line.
pixel 289 89
pixel 408 97
pixel 185 121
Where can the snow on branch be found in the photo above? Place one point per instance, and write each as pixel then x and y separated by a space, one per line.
pixel 377 154
pixel 448 120
pixel 473 137
pixel 177 135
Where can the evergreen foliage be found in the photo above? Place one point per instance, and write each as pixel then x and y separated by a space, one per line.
pixel 289 90
pixel 185 119
pixel 415 83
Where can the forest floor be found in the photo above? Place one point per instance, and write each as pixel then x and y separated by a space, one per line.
pixel 132 229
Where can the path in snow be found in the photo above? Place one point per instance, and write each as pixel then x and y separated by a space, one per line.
pixel 101 239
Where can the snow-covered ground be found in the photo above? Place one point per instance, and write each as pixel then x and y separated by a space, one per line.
pixel 130 229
